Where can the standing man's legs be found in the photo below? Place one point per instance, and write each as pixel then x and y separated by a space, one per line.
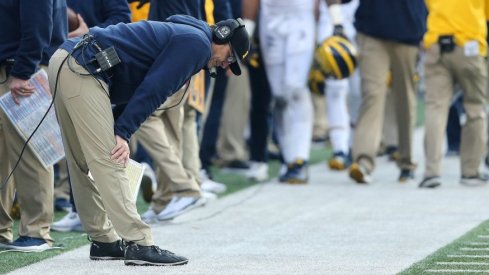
pixel 403 66
pixel 33 183
pixel 374 65
pixel 439 91
pixel 231 143
pixel 7 192
pixel 471 73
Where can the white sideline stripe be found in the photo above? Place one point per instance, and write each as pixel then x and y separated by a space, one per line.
pixel 462 263
pixel 474 249
pixel 456 270
pixel 468 256
pixel 477 243
pixel 483 236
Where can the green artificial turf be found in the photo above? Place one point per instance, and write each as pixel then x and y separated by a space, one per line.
pixel 468 254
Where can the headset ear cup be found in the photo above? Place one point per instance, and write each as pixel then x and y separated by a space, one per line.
pixel 222 34
pixel 224 30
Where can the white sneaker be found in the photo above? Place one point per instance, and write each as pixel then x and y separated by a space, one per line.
pixel 477 180
pixel 180 205
pixel 149 216
pixel 70 222
pixel 209 196
pixel 283 170
pixel 209 185
pixel 258 171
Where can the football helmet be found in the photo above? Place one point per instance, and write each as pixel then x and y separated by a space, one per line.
pixel 336 57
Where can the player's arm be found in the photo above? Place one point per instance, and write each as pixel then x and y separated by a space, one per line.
pixel 250 11
pixel 336 15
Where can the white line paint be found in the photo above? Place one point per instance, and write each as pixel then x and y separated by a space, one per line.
pixel 468 256
pixel 483 236
pixel 456 271
pixel 462 263
pixel 474 249
pixel 477 243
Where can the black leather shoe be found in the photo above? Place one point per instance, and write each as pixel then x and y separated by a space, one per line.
pixel 406 175
pixel 151 255
pixel 107 251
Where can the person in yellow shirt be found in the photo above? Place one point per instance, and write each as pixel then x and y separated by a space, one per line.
pixel 139 10
pixel 456 46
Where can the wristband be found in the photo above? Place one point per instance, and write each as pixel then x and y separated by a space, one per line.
pixel 336 14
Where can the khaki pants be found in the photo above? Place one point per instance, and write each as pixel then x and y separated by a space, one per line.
pixel 190 142
pixel 85 115
pixel 231 144
pixel 33 183
pixel 161 137
pixel 390 131
pixel 441 71
pixel 376 58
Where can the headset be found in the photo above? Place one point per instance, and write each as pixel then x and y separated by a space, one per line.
pixel 224 30
pixel 221 34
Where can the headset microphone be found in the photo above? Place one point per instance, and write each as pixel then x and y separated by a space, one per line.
pixel 213 72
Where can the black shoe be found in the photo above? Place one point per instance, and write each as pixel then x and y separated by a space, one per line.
pixel 107 251
pixel 430 182
pixel 151 255
pixel 235 166
pixel 297 173
pixel 406 174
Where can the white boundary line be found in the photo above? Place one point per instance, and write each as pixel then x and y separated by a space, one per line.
pixel 468 256
pixel 456 270
pixel 462 263
pixel 477 243
pixel 474 248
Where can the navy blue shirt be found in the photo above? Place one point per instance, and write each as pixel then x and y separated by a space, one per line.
pixel 157 59
pixel 60 30
pixel 398 20
pixel 101 13
pixel 236 8
pixel 25 32
pixel 160 10
pixel 222 10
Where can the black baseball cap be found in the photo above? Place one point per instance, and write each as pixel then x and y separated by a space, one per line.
pixel 233 31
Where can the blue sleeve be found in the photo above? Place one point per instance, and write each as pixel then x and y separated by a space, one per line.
pixel 36 27
pixel 183 57
pixel 115 11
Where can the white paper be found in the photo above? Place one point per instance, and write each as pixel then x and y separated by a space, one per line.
pixel 46 143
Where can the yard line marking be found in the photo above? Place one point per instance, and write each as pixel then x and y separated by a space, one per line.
pixel 468 256
pixel 456 270
pixel 483 236
pixel 474 249
pixel 462 263
pixel 477 243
